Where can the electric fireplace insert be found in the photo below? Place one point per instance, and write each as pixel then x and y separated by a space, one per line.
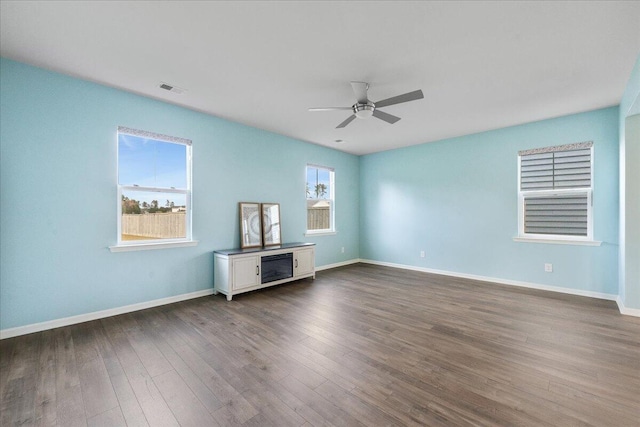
pixel 277 267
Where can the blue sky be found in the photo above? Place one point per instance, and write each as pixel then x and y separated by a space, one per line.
pixel 318 176
pixel 151 163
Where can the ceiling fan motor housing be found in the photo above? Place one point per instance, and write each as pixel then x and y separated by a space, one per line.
pixel 363 108
pixel 363 111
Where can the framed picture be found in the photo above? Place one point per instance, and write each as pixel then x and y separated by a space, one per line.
pixel 271 234
pixel 250 225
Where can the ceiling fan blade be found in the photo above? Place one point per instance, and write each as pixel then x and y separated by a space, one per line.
pixel 346 122
pixel 411 96
pixel 360 89
pixel 329 108
pixel 389 118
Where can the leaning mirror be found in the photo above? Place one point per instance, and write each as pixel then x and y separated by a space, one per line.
pixel 271 232
pixel 250 232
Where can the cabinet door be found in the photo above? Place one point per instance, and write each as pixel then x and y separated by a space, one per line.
pixel 246 272
pixel 304 262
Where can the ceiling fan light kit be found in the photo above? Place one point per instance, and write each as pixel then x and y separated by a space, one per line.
pixel 364 108
pixel 363 111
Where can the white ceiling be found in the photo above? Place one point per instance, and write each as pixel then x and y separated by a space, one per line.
pixel 481 65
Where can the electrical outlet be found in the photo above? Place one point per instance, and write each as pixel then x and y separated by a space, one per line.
pixel 548 268
pixel 421 254
pixel 342 250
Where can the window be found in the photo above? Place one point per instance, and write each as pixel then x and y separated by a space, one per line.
pixel 555 192
pixel 154 188
pixel 320 199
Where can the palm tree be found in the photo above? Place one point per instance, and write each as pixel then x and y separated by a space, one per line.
pixel 321 190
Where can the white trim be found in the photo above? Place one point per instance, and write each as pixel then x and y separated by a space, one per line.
pixel 522 194
pixel 313 165
pixel 558 241
pixel 141 188
pixel 188 191
pixel 320 233
pixel 627 311
pixel 571 291
pixel 66 321
pixel 151 246
pixel 338 264
pixel 331 199
pixel 51 324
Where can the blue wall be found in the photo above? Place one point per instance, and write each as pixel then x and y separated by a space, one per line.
pixel 456 199
pixel 58 200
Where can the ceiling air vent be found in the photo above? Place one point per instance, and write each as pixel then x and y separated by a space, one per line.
pixel 171 88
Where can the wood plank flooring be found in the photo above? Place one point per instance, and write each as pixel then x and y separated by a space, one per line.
pixel 361 345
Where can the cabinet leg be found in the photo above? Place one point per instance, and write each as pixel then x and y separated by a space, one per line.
pixel 229 296
pixel 215 292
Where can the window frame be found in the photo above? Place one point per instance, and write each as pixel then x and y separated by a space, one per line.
pixel 131 245
pixel 332 202
pixel 582 191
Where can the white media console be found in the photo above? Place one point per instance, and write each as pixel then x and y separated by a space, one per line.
pixel 243 270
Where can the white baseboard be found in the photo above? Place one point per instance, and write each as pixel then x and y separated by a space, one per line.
pixel 66 321
pixel 628 311
pixel 72 320
pixel 338 264
pixel 57 323
pixel 591 294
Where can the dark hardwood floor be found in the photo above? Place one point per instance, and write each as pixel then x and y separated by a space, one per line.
pixel 362 345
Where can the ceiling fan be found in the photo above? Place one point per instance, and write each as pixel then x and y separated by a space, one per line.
pixel 364 108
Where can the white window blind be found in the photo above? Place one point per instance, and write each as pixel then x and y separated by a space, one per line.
pixel 556 191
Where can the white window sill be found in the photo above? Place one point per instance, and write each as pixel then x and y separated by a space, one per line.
pixel 152 246
pixel 558 241
pixel 320 233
